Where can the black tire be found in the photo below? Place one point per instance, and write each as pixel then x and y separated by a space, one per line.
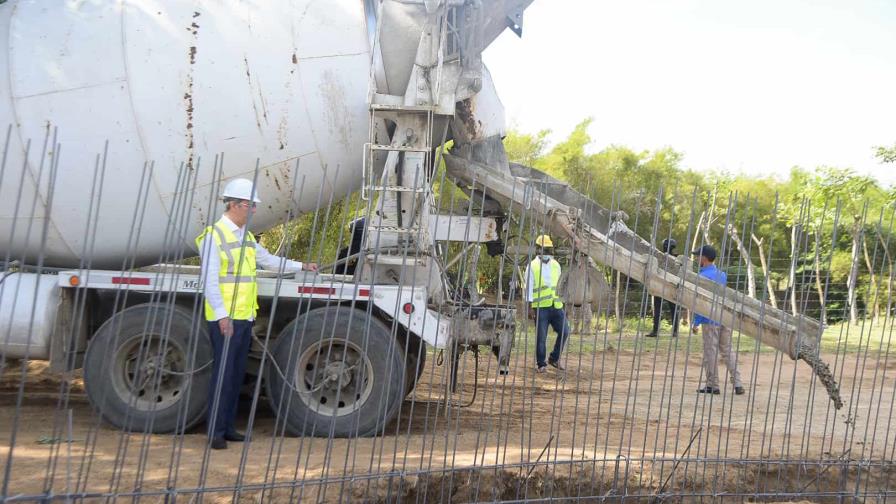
pixel 416 362
pixel 364 370
pixel 126 353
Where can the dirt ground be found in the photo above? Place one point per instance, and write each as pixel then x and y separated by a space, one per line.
pixel 615 423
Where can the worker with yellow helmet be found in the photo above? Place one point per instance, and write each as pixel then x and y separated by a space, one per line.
pixel 545 305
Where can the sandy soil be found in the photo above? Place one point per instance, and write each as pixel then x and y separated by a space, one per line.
pixel 614 423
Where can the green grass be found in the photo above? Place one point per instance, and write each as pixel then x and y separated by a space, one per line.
pixel 603 335
pixel 861 337
pixel 606 335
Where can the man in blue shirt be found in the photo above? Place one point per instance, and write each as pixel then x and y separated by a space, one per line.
pixel 716 338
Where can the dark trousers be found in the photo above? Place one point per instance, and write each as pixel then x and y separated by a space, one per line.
pixel 556 318
pixel 658 314
pixel 228 373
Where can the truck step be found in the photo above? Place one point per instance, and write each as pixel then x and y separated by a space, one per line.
pixel 396 148
pixel 419 109
pixel 398 189
pixel 395 229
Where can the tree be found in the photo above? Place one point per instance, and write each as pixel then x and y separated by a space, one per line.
pixel 854 194
pixel 809 229
pixel 766 271
pixel 745 256
pixel 886 154
pixel 524 148
pixel 754 207
pixel 567 160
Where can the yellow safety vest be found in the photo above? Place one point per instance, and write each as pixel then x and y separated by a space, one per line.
pixel 237 274
pixel 544 293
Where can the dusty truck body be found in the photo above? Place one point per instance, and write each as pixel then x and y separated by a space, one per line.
pixel 125 119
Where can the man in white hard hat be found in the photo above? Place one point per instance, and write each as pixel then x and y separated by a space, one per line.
pixel 545 305
pixel 229 255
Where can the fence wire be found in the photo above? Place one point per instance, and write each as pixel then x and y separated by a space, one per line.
pixel 107 365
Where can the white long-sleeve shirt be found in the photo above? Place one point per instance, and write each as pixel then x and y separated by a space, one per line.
pixel 211 266
pixel 546 278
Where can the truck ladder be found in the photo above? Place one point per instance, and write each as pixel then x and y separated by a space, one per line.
pixel 402 194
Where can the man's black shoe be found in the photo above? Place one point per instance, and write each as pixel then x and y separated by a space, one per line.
pixel 219 444
pixel 675 334
pixel 651 334
pixel 556 364
pixel 708 390
pixel 739 390
pixel 235 436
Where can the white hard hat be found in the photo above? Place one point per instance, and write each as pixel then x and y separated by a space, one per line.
pixel 240 189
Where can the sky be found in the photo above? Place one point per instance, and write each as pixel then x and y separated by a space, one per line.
pixel 745 87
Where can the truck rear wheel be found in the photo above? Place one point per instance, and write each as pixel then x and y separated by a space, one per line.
pixel 338 372
pixel 416 362
pixel 138 371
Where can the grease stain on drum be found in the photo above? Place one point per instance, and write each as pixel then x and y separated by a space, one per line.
pixel 284 171
pixel 188 94
pixel 264 108
pixel 283 125
pixel 332 94
pixel 200 217
pixel 267 173
pixel 281 132
pixel 251 97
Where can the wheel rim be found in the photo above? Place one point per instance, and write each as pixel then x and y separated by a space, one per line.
pixel 148 372
pixel 334 377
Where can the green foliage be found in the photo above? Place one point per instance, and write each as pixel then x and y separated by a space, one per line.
pixel 841 261
pixel 524 148
pixel 567 159
pixel 886 154
pixel 655 186
pixel 853 191
pixel 767 208
pixel 316 236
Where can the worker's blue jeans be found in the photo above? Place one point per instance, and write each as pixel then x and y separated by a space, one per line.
pixel 556 318
pixel 230 366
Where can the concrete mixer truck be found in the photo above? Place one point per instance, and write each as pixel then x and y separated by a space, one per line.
pixel 345 95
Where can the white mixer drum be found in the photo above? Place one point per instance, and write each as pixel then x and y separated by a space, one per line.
pixel 172 82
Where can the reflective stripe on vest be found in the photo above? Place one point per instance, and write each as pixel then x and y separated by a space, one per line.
pixel 236 277
pixel 544 290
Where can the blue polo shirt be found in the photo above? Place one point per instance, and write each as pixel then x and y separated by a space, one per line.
pixel 718 276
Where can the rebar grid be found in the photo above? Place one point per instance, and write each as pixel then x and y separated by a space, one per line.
pixel 622 422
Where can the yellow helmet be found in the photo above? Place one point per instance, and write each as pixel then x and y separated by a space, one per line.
pixel 544 241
